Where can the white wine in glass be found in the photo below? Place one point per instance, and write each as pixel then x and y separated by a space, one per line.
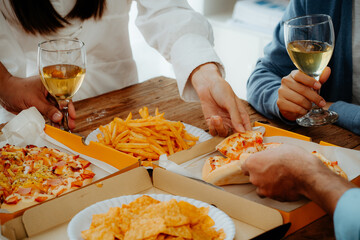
pixel 62 68
pixel 310 42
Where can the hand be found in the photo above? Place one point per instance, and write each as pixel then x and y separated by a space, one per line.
pixel 222 109
pixel 297 94
pixel 287 172
pixel 17 94
pixel 281 173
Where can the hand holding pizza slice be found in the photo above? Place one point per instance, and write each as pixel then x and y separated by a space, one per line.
pixel 227 170
pixel 237 148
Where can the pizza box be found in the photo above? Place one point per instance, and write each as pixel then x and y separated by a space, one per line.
pixel 299 214
pixel 94 152
pixel 50 219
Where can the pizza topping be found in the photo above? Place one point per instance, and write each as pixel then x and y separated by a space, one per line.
pixel 12 199
pixel 41 199
pixel 35 174
pixel 238 143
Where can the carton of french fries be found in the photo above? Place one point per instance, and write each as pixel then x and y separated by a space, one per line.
pixel 148 137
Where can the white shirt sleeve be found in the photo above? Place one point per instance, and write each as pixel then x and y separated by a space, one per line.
pixel 183 36
pixel 11 54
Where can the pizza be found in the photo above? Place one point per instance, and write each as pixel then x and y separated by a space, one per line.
pixel 220 171
pixel 238 143
pixel 225 170
pixel 31 175
pixel 236 148
pixel 333 166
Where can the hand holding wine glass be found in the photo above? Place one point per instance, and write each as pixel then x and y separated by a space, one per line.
pixel 310 42
pixel 62 67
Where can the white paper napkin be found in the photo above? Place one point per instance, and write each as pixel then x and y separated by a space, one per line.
pixel 28 128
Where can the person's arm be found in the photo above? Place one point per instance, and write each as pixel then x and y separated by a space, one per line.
pixel 346 216
pixel 288 172
pixel 265 81
pixel 185 38
pixel 349 115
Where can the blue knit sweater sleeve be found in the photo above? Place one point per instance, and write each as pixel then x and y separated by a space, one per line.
pixel 349 115
pixel 347 216
pixel 264 82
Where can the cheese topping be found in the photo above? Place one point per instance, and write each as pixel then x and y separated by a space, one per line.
pixel 38 173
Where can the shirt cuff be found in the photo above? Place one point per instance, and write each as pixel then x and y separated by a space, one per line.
pixel 349 115
pixel 346 215
pixel 189 52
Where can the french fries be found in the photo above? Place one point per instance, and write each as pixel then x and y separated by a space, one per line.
pixel 148 137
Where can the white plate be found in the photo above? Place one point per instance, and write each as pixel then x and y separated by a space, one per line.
pixel 82 220
pixel 197 132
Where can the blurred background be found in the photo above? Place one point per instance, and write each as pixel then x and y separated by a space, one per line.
pixel 241 30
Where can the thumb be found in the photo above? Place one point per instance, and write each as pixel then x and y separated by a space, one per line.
pixel 325 75
pixel 239 117
pixel 244 167
pixel 50 111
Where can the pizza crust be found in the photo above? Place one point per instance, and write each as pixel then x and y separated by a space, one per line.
pixel 230 173
pixel 21 205
pixel 333 167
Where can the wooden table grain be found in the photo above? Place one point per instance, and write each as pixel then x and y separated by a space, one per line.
pixel 163 93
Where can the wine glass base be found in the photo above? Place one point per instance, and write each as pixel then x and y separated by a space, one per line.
pixel 317 117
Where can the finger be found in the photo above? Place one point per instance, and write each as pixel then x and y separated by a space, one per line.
pixel 300 94
pixel 72 115
pixel 239 117
pixel 260 193
pixel 244 115
pixel 289 97
pixel 217 123
pixel 325 75
pixel 286 106
pixel 212 130
pixel 304 79
pixel 244 168
pixel 49 110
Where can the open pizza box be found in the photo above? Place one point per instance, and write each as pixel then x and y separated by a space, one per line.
pixel 189 163
pixel 29 128
pixel 50 219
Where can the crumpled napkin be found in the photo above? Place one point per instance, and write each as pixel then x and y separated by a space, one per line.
pixel 173 167
pixel 28 128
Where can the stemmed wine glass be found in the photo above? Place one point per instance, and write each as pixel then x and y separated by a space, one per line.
pixel 62 67
pixel 310 42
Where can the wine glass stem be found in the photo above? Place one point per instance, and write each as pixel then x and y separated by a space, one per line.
pixel 314 107
pixel 64 107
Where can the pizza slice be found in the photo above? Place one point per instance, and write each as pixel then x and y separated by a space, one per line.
pixel 220 171
pixel 238 143
pixel 333 166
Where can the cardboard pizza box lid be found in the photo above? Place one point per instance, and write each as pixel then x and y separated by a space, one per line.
pixel 50 219
pixel 95 150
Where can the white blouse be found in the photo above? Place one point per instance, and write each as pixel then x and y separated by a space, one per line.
pixel 181 35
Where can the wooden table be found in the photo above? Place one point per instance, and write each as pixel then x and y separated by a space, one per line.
pixel 163 93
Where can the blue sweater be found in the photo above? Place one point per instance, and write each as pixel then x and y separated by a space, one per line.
pixel 263 84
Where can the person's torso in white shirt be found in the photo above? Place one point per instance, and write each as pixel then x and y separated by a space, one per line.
pixel 110 64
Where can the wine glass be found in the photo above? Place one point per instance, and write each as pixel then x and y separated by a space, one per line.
pixel 62 67
pixel 310 43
